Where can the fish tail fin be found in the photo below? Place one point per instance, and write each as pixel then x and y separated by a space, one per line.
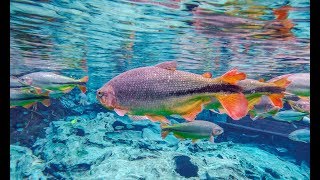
pixel 283 82
pixel 164 132
pixel 282 12
pixel 82 88
pixel 233 76
pixel 236 105
pixel 276 99
pixel 84 79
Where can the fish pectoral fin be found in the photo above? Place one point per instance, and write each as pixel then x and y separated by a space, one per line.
pixel 211 139
pixel 190 116
pixel 158 119
pixel 253 101
pixel 194 141
pixel 164 134
pixel 66 89
pixel 169 65
pixel 120 112
pixel 252 114
pixel 207 75
pixel 137 118
pixel 276 99
pixel 29 105
pixel 233 76
pixel 38 90
pixel 178 136
pixel 46 102
pixel 82 88
pixel 235 105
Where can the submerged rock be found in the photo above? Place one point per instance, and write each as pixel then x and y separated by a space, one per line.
pixel 23 164
pixel 93 148
pixel 184 166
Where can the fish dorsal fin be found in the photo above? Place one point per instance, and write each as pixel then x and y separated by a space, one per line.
pixel 207 75
pixel 169 65
pixel 233 76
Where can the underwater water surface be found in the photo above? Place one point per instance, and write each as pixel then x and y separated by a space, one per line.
pixel 75 137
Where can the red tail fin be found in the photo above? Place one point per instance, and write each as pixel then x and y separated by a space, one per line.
pixel 83 89
pixel 84 79
pixel 233 76
pixel 236 105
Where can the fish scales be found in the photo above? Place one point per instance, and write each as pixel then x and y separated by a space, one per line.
pixel 152 83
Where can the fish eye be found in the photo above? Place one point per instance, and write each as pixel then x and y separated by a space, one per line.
pixel 99 93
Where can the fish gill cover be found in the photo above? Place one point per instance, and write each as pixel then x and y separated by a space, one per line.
pixel 147 89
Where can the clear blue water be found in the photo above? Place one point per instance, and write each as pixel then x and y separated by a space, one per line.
pixel 102 39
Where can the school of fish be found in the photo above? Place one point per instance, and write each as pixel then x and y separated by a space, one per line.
pixel 159 91
pixel 26 91
pixel 156 92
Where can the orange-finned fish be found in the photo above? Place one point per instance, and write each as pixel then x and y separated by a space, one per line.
pixel 194 130
pixel 302 105
pixel 254 90
pixel 154 92
pixel 300 84
pixel 54 82
pixel 27 98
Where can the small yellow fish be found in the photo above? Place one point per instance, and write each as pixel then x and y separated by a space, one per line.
pixel 74 121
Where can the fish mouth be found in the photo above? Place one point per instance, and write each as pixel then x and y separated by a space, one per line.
pixel 106 97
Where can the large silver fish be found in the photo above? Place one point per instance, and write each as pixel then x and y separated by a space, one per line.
pixel 302 135
pixel 27 98
pixel 54 82
pixel 157 91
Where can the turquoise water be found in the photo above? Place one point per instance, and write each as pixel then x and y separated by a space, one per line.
pixel 101 39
